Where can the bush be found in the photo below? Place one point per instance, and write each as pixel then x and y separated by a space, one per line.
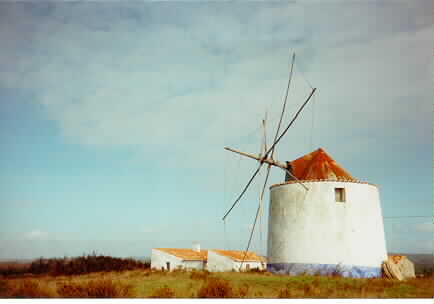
pixel 13 269
pixel 84 264
pixel 94 289
pixel 163 292
pixel 3 287
pixel 216 288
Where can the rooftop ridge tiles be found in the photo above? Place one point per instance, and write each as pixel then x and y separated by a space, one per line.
pixel 323 180
pixel 238 255
pixel 186 253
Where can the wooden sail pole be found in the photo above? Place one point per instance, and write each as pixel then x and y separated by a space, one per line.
pixel 265 157
pixel 290 124
pixel 269 161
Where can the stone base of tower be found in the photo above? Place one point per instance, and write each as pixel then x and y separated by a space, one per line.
pixel 325 269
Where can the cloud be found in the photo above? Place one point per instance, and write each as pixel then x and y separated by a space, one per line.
pixel 167 87
pixel 210 80
pixel 176 83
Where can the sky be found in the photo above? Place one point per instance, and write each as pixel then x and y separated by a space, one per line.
pixel 114 115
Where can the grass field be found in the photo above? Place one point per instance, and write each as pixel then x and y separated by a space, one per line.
pixel 181 284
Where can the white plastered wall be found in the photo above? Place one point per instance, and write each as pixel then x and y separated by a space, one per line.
pixel 198 265
pixel 252 265
pixel 159 260
pixel 311 227
pixel 217 262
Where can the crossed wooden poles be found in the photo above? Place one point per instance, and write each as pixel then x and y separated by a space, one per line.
pixel 268 158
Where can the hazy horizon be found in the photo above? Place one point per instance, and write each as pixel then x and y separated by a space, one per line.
pixel 141 257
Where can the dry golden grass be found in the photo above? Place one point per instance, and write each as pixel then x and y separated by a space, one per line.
pixel 216 288
pixel 199 275
pixel 103 288
pixel 243 291
pixel 163 292
pixel 26 288
pixel 182 284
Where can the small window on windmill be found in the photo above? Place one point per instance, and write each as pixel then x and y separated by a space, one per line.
pixel 340 195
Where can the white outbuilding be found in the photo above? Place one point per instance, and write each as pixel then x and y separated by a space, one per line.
pixel 169 259
pixel 231 260
pixel 336 226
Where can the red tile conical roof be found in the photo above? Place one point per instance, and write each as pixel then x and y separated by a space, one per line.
pixel 318 165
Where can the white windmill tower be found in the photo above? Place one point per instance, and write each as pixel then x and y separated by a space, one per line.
pixel 321 219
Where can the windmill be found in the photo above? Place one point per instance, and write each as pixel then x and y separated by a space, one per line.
pixel 267 157
pixel 321 219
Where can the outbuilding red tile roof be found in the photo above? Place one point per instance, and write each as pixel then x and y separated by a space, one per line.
pixel 186 254
pixel 318 165
pixel 238 255
pixel 202 255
